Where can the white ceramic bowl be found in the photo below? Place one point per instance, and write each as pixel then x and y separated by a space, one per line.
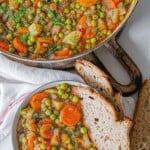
pixel 26 101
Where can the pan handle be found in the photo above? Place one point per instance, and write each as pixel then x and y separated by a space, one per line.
pixel 128 64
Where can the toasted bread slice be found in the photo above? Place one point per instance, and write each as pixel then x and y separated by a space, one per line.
pixel 140 133
pixel 100 117
pixel 96 78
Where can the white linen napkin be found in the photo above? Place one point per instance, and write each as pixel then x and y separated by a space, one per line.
pixel 17 80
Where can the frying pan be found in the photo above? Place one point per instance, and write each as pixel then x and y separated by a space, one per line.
pixel 111 43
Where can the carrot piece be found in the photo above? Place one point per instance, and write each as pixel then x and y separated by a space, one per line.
pixel 36 100
pixel 19 46
pixel 31 124
pixel 109 3
pixel 35 4
pixel 45 131
pixel 70 115
pixel 23 30
pixel 87 3
pixel 31 140
pixel 89 33
pixel 45 121
pixel 4 45
pixel 116 1
pixel 63 54
pixel 44 40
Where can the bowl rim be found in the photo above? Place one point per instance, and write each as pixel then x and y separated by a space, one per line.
pixel 26 101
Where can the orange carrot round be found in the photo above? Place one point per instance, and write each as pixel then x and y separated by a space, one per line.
pixel 36 100
pixel 45 131
pixel 35 4
pixel 87 3
pixel 89 33
pixel 45 121
pixel 19 46
pixel 3 45
pixel 70 115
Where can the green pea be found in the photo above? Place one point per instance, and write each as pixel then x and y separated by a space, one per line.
pixel 42 15
pixel 40 138
pixel 48 112
pixel 40 4
pixel 93 40
pixel 31 49
pixel 92 148
pixel 24 140
pixel 29 42
pixel 95 17
pixel 54 148
pixel 20 1
pixel 39 11
pixel 77 5
pixel 4 5
pixel 62 19
pixel 56 38
pixel 72 12
pixel 83 130
pixel 18 25
pixel 43 106
pixel 98 6
pixel 43 146
pixel 93 23
pixel 102 14
pixel 53 116
pixel 83 8
pixel 56 1
pixel 1 30
pixel 47 102
pixel 61 92
pixel 48 33
pixel 11 49
pixel 60 1
pixel 70 146
pixel 75 99
pixel 87 46
pixel 104 32
pixel 67 140
pixel 30 17
pixel 72 5
pixel 68 21
pixel 56 112
pixel 121 18
pixel 68 26
pixel 23 112
pixel 62 148
pixel 65 96
pixel 61 35
pixel 66 10
pixel 9 36
pixel 63 86
pixel 109 32
pixel 32 38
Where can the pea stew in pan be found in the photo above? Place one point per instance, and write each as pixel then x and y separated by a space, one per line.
pixel 56 29
pixel 53 120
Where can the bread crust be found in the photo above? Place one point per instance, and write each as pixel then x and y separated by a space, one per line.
pixel 126 122
pixel 100 72
pixel 137 123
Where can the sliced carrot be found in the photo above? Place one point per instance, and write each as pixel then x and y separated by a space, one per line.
pixel 63 54
pixel 44 40
pixel 116 1
pixel 23 30
pixel 4 45
pixel 82 22
pixel 36 100
pixel 31 140
pixel 35 4
pixel 19 46
pixel 70 115
pixel 109 3
pixel 45 131
pixel 89 33
pixel 45 121
pixel 87 3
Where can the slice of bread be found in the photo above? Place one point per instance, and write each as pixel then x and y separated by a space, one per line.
pixel 100 117
pixel 97 79
pixel 140 133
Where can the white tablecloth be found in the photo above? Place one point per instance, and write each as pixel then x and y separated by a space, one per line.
pixel 136 41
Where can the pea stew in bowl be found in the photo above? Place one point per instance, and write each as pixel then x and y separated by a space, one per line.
pixel 51 118
pixel 56 29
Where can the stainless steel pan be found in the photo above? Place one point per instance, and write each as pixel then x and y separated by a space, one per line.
pixel 111 43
